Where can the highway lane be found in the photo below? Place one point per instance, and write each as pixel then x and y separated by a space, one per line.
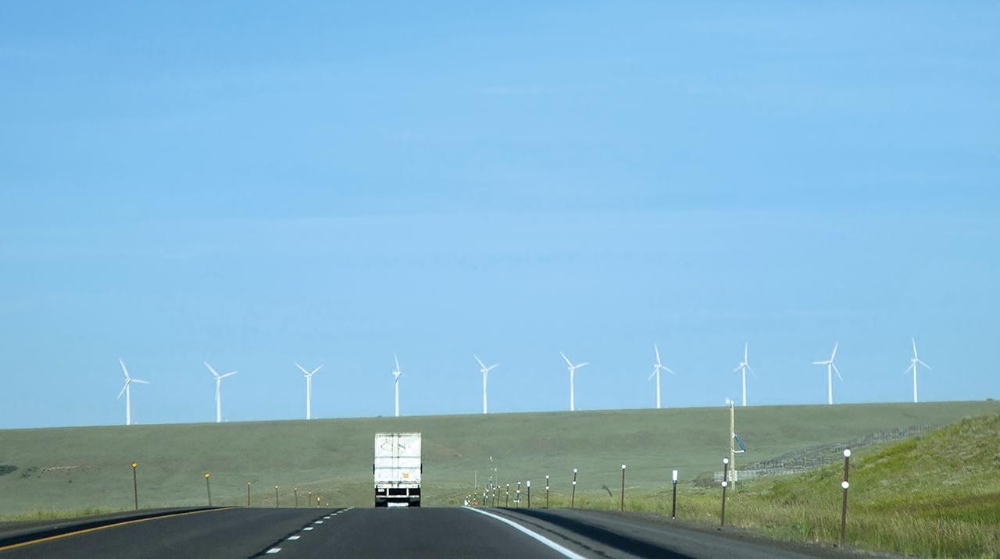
pixel 441 533
pixel 217 533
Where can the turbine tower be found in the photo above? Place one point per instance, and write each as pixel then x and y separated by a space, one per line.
pixel 309 387
pixel 572 373
pixel 395 381
pixel 743 367
pixel 128 396
pixel 914 361
pixel 656 372
pixel 486 371
pixel 218 391
pixel 830 368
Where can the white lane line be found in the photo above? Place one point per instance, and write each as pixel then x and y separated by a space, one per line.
pixel 274 551
pixel 318 522
pixel 293 538
pixel 547 542
pixel 307 529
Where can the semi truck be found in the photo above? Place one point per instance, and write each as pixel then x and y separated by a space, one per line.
pixel 397 469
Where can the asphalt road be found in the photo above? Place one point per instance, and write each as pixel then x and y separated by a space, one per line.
pixel 441 533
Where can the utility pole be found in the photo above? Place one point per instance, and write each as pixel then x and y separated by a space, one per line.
pixel 732 442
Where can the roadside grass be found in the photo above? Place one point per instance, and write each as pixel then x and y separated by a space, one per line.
pixel 55 514
pixel 937 495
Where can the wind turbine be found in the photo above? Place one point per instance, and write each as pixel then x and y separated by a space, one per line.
pixel 572 372
pixel 128 396
pixel 309 387
pixel 218 391
pixel 914 361
pixel 486 371
pixel 830 368
pixel 395 381
pixel 744 366
pixel 656 372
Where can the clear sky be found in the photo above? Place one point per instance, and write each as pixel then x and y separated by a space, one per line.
pixel 256 183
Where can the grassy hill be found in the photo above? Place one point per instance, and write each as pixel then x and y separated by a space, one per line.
pixel 79 468
pixel 934 495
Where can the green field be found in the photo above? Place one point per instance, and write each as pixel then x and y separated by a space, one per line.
pixel 70 469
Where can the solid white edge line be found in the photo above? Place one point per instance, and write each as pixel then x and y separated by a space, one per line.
pixel 547 542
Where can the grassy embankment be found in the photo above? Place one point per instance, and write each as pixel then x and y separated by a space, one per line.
pixel 936 495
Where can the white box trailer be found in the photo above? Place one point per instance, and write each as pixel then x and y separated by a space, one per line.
pixel 397 469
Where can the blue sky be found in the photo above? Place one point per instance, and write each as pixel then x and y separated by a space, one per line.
pixel 255 184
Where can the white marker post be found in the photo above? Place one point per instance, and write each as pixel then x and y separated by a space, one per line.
pixel 845 485
pixel 572 498
pixel 725 483
pixel 529 493
pixel 546 491
pixel 623 488
pixel 673 508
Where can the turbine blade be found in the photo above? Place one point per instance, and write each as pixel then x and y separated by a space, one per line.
pixel 227 375
pixel 837 371
pixel 924 364
pixel 736 370
pixel 914 340
pixel 316 370
pixel 214 373
pixel 910 368
pixel 396 359
pixel 582 365
pixel 568 362
pixel 657 354
pixel 123 368
pixel 746 349
pixel 140 381
pixel 821 362
pixel 751 370
pixel 653 374
pixel 123 390
pixel 301 368
pixel 668 370
pixel 491 367
pixel 834 354
pixel 480 361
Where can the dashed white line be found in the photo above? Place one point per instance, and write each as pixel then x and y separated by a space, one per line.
pixel 273 550
pixel 308 529
pixel 293 538
pixel 547 542
pixel 318 522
